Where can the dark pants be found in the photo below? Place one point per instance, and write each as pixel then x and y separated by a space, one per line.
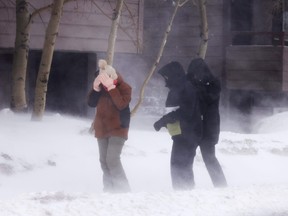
pixel 181 164
pixel 114 177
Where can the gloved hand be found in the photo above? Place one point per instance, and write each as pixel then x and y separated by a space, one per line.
pixel 96 83
pixel 108 82
pixel 159 124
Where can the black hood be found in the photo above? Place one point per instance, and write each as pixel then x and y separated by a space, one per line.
pixel 173 74
pixel 200 75
pixel 199 71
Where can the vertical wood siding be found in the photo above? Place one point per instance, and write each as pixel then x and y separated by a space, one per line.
pixel 254 68
pixel 84 27
pixel 184 38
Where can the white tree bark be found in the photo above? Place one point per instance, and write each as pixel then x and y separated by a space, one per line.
pixel 204 29
pixel 46 60
pixel 113 33
pixel 18 101
pixel 157 60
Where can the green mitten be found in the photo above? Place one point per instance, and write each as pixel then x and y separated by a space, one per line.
pixel 174 128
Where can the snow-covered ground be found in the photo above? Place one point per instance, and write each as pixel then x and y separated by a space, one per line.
pixel 51 168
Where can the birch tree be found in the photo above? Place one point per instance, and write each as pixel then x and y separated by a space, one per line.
pixel 113 33
pixel 178 4
pixel 18 101
pixel 24 18
pixel 46 60
pixel 203 29
pixel 120 9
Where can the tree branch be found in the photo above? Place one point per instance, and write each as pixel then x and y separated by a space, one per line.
pixel 160 52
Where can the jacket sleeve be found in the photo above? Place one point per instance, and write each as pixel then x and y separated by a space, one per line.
pixel 170 117
pixel 121 95
pixel 93 98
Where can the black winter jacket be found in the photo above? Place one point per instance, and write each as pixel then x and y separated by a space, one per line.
pixel 185 96
pixel 197 94
pixel 200 74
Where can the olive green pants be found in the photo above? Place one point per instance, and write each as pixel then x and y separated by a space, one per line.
pixel 114 177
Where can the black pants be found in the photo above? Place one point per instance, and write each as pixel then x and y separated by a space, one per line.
pixel 181 164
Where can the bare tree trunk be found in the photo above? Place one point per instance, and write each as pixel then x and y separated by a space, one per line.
pixel 157 60
pixel 113 33
pixel 18 94
pixel 204 29
pixel 18 101
pixel 46 60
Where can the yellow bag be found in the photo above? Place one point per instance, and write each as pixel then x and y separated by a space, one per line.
pixel 174 128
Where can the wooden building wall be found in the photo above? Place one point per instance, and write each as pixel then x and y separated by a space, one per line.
pixel 84 31
pixel 84 27
pixel 182 43
pixel 184 39
pixel 257 68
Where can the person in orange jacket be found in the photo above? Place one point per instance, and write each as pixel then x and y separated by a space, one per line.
pixel 111 96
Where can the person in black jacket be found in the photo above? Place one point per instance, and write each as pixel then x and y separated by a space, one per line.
pixel 192 123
